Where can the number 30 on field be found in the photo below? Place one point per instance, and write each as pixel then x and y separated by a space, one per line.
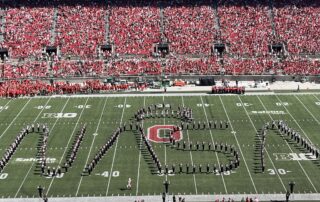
pixel 280 171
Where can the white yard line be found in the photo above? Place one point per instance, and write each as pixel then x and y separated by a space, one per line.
pixel 234 134
pixel 308 110
pixel 94 137
pixel 305 134
pixel 15 118
pixel 115 150
pixel 67 146
pixel 205 113
pixel 138 175
pixel 25 177
pixel 316 97
pixel 288 143
pixel 194 176
pixel 165 147
pixel 5 105
pixel 274 167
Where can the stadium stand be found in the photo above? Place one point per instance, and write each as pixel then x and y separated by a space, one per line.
pixel 245 26
pixel 134 26
pixel 189 26
pixel 27 28
pixel 247 31
pixel 81 29
pixel 297 23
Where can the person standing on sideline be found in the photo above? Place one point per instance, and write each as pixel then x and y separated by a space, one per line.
pixel 129 184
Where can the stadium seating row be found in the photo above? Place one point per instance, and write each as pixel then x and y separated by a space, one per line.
pixel 182 66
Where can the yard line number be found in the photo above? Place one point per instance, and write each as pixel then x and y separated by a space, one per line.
pixel 243 104
pixel 280 171
pixel 3 176
pixel 4 107
pixel 83 106
pixel 43 107
pixel 282 104
pixel 114 174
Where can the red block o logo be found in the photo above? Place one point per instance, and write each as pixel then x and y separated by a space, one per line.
pixel 154 133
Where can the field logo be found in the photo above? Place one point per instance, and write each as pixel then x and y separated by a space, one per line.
pixel 26 160
pixel 294 157
pixel 155 131
pixel 59 115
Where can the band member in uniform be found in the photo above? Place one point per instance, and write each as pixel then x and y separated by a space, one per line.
pixel 129 183
pixel 40 190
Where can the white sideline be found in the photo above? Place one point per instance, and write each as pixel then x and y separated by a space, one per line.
pixel 158 198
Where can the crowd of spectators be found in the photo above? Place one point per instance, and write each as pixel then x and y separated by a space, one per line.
pixel 80 29
pixel 27 28
pixel 24 70
pixel 235 66
pixel 297 23
pixel 72 68
pixel 135 26
pixel 295 66
pixel 133 67
pixel 245 25
pixel 190 27
pixel 15 88
pixel 184 65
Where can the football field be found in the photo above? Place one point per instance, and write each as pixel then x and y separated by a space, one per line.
pixel 285 160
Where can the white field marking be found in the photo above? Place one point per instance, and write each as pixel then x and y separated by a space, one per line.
pixel 308 111
pixel 115 150
pixel 165 148
pixel 194 176
pixel 138 175
pixel 14 118
pixel 66 148
pixel 173 94
pixel 5 106
pixel 25 177
pixel 289 145
pixel 205 113
pixel 284 187
pixel 94 137
pixel 234 134
pixel 316 97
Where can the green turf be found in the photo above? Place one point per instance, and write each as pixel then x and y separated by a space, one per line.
pixel 302 113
